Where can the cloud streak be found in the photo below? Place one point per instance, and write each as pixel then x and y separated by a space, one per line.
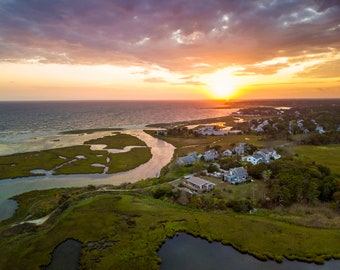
pixel 182 36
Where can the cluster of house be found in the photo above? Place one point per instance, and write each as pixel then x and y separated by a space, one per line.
pixel 216 131
pixel 261 156
pixel 300 125
pixel 191 158
pixel 234 175
pixel 259 128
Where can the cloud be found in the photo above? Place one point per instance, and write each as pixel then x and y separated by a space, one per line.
pixel 263 70
pixel 329 69
pixel 182 36
pixel 155 80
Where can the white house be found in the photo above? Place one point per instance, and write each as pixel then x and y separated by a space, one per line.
pixel 254 159
pixel 320 130
pixel 211 131
pixel 268 154
pixel 199 184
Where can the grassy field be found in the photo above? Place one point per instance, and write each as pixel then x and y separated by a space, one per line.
pixel 327 155
pixel 131 228
pixel 65 161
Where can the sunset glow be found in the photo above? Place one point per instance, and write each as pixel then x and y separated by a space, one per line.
pixel 169 49
pixel 222 83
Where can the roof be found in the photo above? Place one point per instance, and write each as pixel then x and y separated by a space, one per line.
pixel 199 181
pixel 239 171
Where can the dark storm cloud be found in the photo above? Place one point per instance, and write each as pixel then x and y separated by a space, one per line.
pixel 188 35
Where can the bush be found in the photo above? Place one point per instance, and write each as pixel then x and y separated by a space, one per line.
pixel 164 190
pixel 242 206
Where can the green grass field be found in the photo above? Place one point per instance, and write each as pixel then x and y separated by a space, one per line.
pixel 327 155
pixel 137 225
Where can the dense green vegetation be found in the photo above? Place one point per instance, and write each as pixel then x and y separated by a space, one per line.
pixel 77 159
pixel 128 230
pixel 296 181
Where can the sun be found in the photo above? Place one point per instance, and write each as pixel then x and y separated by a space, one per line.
pixel 222 89
pixel 221 84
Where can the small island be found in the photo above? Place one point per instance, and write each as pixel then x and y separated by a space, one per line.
pixel 102 155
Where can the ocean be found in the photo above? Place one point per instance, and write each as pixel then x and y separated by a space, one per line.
pixel 23 120
pixel 34 126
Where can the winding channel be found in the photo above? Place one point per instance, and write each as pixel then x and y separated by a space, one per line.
pixel 162 153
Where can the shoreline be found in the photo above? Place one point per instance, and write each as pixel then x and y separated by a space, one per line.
pixel 162 153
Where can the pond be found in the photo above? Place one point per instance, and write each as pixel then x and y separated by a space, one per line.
pixel 66 256
pixel 187 252
pixel 7 208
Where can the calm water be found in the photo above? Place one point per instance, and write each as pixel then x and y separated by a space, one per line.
pixel 22 120
pixel 185 252
pixel 66 256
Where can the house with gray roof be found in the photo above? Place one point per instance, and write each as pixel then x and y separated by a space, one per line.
pixel 236 175
pixel 199 184
pixel 210 155
pixel 188 160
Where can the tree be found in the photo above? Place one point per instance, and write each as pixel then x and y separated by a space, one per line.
pixel 336 199
pixel 312 192
pixel 266 175
pixel 212 168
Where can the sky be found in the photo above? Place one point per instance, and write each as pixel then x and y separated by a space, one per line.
pixel 169 49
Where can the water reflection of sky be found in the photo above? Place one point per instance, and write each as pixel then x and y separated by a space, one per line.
pixel 185 252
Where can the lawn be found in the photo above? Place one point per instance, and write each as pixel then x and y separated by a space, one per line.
pixel 327 155
pixel 137 225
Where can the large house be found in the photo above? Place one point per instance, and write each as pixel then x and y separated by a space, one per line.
pixel 262 156
pixel 210 155
pixel 199 184
pixel 254 159
pixel 268 154
pixel 236 175
pixel 188 160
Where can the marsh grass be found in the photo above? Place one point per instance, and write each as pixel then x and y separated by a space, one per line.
pixel 128 160
pixel 118 141
pixel 327 155
pixel 137 225
pixel 64 160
